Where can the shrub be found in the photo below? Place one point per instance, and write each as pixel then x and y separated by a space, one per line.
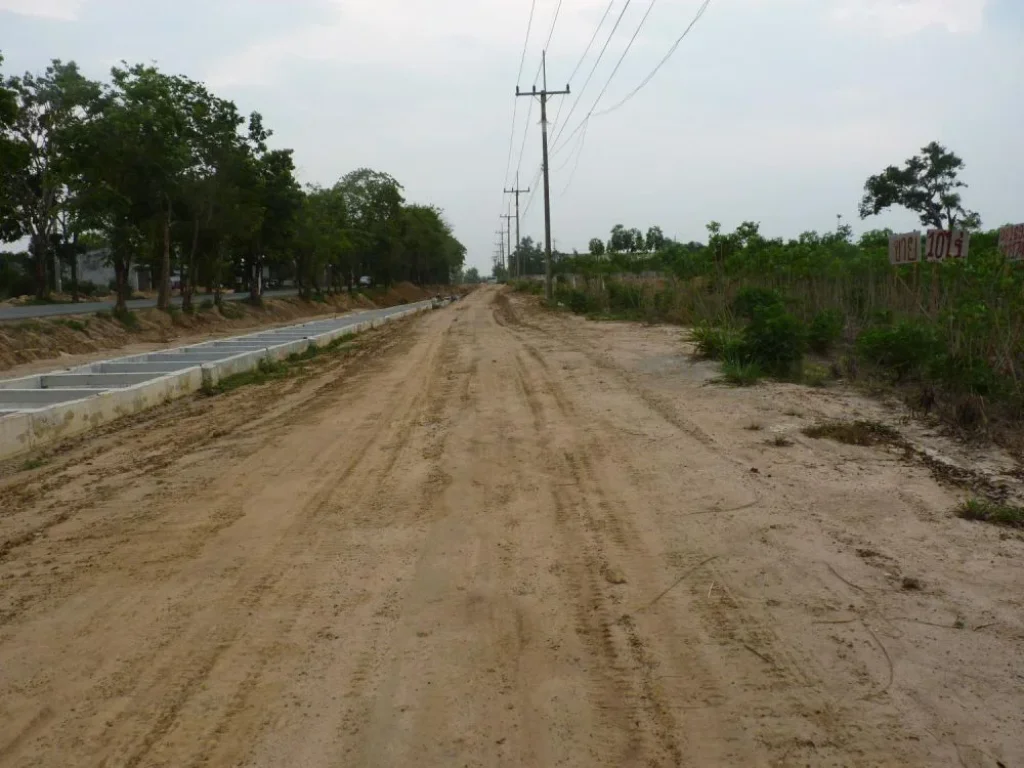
pixel 624 297
pixel 905 348
pixel 88 288
pixel 825 330
pixel 775 339
pixel 989 512
pixel 741 374
pixel 750 300
pixel 717 343
pixel 206 304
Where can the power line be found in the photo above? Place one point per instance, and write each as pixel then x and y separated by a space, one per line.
pixel 618 64
pixel 572 173
pixel 700 12
pixel 583 58
pixel 515 102
pixel 593 69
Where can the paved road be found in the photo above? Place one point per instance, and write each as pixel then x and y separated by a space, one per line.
pixel 85 308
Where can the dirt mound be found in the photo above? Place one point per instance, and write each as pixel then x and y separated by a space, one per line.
pixel 411 292
pixel 48 338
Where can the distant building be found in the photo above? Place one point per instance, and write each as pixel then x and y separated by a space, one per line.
pixel 95 267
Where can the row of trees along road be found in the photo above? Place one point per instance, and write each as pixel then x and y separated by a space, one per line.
pixel 162 172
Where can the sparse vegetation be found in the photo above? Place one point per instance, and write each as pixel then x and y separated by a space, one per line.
pixel 991 512
pixel 741 374
pixel 863 433
pixel 781 441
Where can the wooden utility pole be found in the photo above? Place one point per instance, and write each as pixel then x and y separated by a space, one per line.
pixel 508 231
pixel 517 192
pixel 544 93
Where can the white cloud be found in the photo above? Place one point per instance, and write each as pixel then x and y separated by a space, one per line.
pixel 907 17
pixel 413 34
pixel 59 10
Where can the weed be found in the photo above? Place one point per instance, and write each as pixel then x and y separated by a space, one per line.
pixel 741 374
pixel 267 370
pixel 716 343
pixel 206 305
pixel 75 325
pixel 232 312
pixel 32 464
pixel 105 314
pixel 781 441
pixel 910 584
pixel 991 512
pixel 825 330
pixel 904 348
pixel 752 300
pixel 753 427
pixel 775 339
pixel 855 433
pixel 127 318
pixel 815 376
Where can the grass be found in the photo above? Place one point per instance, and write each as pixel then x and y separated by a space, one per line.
pixel 753 427
pixel 267 370
pixel 32 464
pixel 864 433
pixel 781 441
pixel 75 325
pixel 741 374
pixel 991 512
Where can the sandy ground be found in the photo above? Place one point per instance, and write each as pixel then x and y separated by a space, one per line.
pixel 499 536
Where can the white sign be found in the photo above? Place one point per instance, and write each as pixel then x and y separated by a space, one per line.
pixel 943 244
pixel 905 248
pixel 1011 242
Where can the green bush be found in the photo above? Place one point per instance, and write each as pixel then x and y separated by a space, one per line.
pixel 624 297
pixel 741 374
pixel 776 340
pixel 825 330
pixel 717 343
pixel 750 300
pixel 905 348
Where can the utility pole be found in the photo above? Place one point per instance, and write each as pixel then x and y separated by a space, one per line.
pixel 501 246
pixel 517 192
pixel 508 231
pixel 544 93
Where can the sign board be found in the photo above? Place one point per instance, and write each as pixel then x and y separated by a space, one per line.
pixel 947 244
pixel 1011 242
pixel 905 248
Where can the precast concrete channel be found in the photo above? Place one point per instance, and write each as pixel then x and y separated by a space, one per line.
pixel 38 409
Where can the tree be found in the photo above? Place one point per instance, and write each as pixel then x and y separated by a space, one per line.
pixel 655 240
pixel 596 247
pixel 472 276
pixel 926 185
pixel 39 113
pixel 636 240
pixel 374 202
pixel 621 240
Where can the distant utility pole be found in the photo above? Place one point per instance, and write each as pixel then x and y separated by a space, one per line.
pixel 517 192
pixel 508 231
pixel 544 93
pixel 501 245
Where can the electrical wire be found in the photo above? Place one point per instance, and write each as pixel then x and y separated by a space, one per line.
pixel 618 63
pixel 579 63
pixel 594 68
pixel 515 102
pixel 700 12
pixel 572 173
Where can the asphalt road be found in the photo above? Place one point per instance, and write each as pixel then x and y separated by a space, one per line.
pixel 88 307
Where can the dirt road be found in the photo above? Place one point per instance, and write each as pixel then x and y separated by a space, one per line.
pixel 499 536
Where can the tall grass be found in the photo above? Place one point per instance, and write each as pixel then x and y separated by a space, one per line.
pixel 956 325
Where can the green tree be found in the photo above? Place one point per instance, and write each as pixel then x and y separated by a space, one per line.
pixel 621 240
pixel 655 240
pixel 374 202
pixel 927 184
pixel 472 276
pixel 40 111
pixel 596 247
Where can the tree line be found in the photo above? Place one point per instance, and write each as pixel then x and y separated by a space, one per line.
pixel 165 174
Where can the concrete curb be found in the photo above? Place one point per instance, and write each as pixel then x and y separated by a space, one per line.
pixel 80 410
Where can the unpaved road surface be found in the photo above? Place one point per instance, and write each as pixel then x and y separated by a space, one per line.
pixel 496 536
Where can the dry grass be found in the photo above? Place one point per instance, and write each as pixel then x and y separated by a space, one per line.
pixel 864 433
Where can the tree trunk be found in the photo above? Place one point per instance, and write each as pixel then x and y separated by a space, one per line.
pixel 121 278
pixel 255 281
pixel 74 268
pixel 188 282
pixel 39 253
pixel 164 296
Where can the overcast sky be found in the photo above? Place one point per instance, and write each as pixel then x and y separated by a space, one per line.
pixel 771 110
